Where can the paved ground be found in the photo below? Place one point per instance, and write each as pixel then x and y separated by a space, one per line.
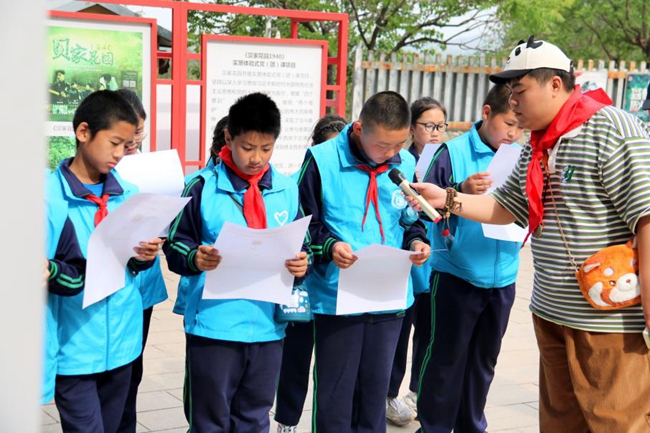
pixel 512 402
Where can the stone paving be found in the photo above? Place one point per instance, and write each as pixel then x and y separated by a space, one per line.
pixel 512 402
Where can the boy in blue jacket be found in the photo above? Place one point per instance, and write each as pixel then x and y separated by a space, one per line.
pixel 234 346
pixel 345 187
pixel 472 284
pixel 99 342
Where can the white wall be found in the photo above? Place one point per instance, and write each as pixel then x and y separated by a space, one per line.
pixel 22 116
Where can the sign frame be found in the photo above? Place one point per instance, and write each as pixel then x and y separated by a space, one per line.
pixel 280 42
pixel 148 27
pixel 627 97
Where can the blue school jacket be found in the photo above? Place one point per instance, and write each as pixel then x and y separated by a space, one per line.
pixel 343 190
pixel 181 290
pixel 107 334
pixel 56 216
pixel 67 267
pixel 481 261
pixel 151 285
pixel 217 197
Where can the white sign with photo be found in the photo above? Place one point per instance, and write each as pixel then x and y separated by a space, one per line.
pixel 289 71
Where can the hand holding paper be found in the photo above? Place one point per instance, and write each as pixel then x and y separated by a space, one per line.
pixel 147 251
pixel 478 183
pixel 298 266
pixel 207 258
pixel 422 250
pixel 342 255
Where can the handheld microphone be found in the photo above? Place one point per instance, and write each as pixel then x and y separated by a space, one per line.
pixel 398 179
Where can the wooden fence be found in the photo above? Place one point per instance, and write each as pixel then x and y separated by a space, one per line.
pixel 460 83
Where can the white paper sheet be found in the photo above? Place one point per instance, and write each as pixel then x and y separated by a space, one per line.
pixel 500 167
pixel 377 281
pixel 502 164
pixel 425 159
pixel 140 218
pixel 253 262
pixel 155 172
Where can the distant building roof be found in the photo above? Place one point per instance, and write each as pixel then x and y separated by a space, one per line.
pixel 164 35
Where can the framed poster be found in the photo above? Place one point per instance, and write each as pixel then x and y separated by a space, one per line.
pixel 636 88
pixel 591 80
pixel 89 52
pixel 291 71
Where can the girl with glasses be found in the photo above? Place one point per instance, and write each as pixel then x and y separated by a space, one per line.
pixel 428 124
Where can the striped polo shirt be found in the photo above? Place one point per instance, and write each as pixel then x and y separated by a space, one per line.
pixel 600 180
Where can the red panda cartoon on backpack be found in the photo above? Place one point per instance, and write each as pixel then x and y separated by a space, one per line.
pixel 609 279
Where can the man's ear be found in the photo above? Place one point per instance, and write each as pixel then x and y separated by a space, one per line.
pixel 557 85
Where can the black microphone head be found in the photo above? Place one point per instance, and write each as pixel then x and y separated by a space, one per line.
pixel 396 176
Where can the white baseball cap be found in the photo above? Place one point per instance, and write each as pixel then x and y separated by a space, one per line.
pixel 532 55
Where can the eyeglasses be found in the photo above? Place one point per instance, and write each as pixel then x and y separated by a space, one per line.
pixel 139 138
pixel 430 127
pixel 137 141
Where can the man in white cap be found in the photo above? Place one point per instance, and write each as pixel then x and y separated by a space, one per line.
pixel 581 184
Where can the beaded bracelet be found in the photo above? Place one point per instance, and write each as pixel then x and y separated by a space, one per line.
pixel 452 203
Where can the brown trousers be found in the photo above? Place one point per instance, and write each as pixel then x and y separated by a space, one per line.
pixel 592 381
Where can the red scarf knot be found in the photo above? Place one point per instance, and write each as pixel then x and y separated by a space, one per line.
pixel 103 206
pixel 575 111
pixel 372 195
pixel 254 209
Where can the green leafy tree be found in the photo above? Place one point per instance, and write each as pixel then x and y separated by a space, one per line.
pixel 384 25
pixel 391 26
pixel 59 149
pixel 587 29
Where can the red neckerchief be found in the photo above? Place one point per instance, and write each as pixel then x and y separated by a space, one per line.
pixel 103 206
pixel 372 194
pixel 254 209
pixel 575 111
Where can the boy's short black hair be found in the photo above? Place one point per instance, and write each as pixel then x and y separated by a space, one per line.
pixel 423 104
pixel 498 99
pixel 135 102
pixel 101 109
pixel 387 109
pixel 326 125
pixel 543 75
pixel 218 137
pixel 255 112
